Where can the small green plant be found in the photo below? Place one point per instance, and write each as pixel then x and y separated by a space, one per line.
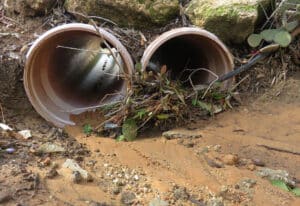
pixel 280 35
pixel 129 130
pixel 282 185
pixel 87 129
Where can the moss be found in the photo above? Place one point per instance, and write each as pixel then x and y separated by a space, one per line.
pixel 137 13
pixel 232 20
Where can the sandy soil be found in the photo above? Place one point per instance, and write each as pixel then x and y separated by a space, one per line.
pixel 211 162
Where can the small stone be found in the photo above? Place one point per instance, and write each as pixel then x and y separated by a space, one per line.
pixel 136 177
pixel 128 198
pixel 215 201
pixel 258 162
pixel 46 162
pixel 251 167
pixel 5 197
pixel 247 183
pixel 51 173
pixel 181 193
pixel 213 162
pixel 76 177
pixel 217 147
pixel 230 159
pixel 116 190
pixel 158 202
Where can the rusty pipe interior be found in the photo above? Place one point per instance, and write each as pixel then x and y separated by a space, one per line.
pixel 58 78
pixel 187 51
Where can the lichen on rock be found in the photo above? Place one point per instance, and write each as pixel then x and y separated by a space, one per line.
pixel 232 20
pixel 138 13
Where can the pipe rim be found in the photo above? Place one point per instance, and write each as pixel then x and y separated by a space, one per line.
pixel 34 98
pixel 166 36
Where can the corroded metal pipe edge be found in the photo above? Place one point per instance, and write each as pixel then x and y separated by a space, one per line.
pixel 227 57
pixel 39 102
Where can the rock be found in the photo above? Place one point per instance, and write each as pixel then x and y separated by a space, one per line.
pixel 158 202
pixel 177 134
pixel 30 7
pixel 281 175
pixel 258 162
pixel 230 159
pixel 50 148
pixel 138 13
pixel 215 201
pixel 128 198
pixel 246 184
pixel 251 167
pixel 5 197
pixel 71 169
pixel 231 20
pixel 116 190
pixel 26 134
pixel 213 162
pixel 46 162
pixel 181 193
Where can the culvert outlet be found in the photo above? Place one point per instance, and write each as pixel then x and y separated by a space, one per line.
pixel 188 52
pixel 69 69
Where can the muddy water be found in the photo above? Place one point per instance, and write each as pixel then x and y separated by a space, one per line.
pixel 245 131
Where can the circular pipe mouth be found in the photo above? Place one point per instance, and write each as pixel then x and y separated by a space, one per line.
pixel 70 69
pixel 188 53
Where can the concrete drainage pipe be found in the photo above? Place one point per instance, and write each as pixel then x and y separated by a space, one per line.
pixel 70 68
pixel 184 50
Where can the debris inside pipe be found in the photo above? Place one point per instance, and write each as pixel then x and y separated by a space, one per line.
pixel 74 67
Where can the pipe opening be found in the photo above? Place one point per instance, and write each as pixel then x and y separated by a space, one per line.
pixel 185 52
pixel 69 69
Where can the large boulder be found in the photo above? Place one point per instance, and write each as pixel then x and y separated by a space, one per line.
pixel 29 7
pixel 137 13
pixel 232 20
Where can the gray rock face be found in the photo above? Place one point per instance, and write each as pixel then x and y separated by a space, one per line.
pixel 231 20
pixel 29 7
pixel 138 13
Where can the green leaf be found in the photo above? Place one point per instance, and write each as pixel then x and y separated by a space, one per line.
pixel 129 130
pixel 254 40
pixel 205 106
pixel 140 114
pixel 138 66
pixel 291 25
pixel 162 116
pixel 87 129
pixel 283 38
pixel 281 184
pixel 269 34
pixel 121 138
pixel 194 102
pixel 296 191
pixel 218 96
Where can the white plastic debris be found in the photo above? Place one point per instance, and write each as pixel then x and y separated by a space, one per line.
pixel 5 127
pixel 74 167
pixel 26 134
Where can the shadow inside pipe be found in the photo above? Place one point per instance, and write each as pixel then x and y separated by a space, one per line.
pixel 186 56
pixel 71 60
